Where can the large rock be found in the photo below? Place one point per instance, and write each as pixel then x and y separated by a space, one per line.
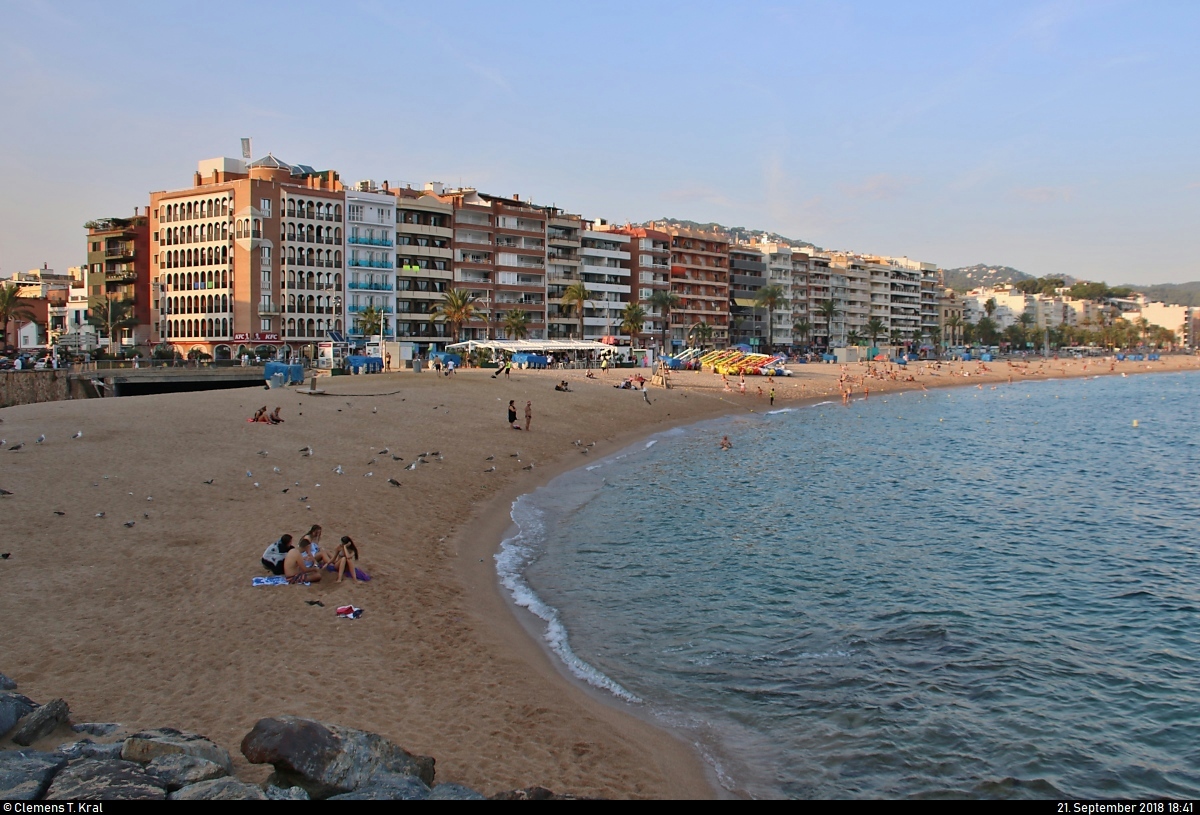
pixel 91 780
pixel 6 683
pixel 96 728
pixel 219 789
pixel 455 792
pixel 42 722
pixel 89 749
pixel 327 759
pixel 13 707
pixel 164 741
pixel 25 775
pixel 179 770
pixel 385 786
pixel 275 793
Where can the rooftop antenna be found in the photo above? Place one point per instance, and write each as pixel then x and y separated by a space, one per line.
pixel 246 148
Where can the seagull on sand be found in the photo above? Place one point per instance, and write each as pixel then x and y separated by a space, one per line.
pixel 262 453
pixel 209 481
pixel 16 447
pixel 393 482
pixel 130 523
pixel 368 475
pixel 249 474
pixel 59 512
pixel 78 434
pixel 40 439
pixel 5 492
pixel 491 469
pixel 412 466
pixel 490 458
pixel 397 458
pixel 307 451
pixel 528 466
pixel 338 469
pixel 99 514
pixel 384 451
pixel 276 469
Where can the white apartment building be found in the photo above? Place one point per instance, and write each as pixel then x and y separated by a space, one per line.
pixel 778 259
pixel 604 268
pixel 370 252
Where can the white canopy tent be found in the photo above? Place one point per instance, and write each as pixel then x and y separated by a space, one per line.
pixel 533 346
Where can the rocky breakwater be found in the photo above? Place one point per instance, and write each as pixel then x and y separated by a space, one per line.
pixel 311 760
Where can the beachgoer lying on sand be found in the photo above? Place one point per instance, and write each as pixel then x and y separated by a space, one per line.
pixel 274 417
pixel 563 386
pixel 726 444
pixel 589 374
pixel 276 553
pixel 260 416
pixel 300 567
pixel 345 557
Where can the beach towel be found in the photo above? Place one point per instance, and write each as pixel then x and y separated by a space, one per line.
pixel 349 612
pixel 274 580
pixel 359 573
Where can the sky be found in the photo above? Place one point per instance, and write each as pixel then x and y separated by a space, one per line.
pixel 1054 137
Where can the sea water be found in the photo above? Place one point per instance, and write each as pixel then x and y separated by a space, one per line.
pixel 954 593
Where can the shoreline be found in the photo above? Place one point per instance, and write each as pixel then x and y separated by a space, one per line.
pixel 482 537
pixel 158 623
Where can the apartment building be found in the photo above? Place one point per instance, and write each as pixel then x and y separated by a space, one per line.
pixel 563 243
pixel 227 253
pixel 649 272
pixel 950 316
pixel 700 277
pixel 748 276
pixel 500 257
pixel 780 272
pixel 424 265
pixel 370 260
pixel 802 260
pixel 604 267
pixel 119 270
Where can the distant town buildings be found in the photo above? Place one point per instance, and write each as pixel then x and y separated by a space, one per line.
pixel 268 258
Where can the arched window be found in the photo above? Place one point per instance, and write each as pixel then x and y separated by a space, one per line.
pixel 309 280
pixel 337 264
pixel 311 232
pixel 224 280
pixel 291 232
pixel 337 216
pixel 224 206
pixel 309 305
pixel 291 327
pixel 291 302
pixel 224 254
pixel 310 209
pixel 224 303
pixel 337 235
pixel 309 258
pixel 291 207
pixel 310 328
pixel 224 232
pixel 337 279
pixel 224 327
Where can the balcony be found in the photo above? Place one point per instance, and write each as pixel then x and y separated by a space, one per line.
pixel 356 263
pixel 120 277
pixel 370 286
pixel 353 309
pixel 118 252
pixel 268 309
pixel 368 241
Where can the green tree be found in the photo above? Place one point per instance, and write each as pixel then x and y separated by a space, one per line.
pixel 577 295
pixel 516 324
pixel 633 317
pixel 875 329
pixel 853 337
pixel 111 316
pixel 935 339
pixel 456 307
pixel 370 321
pixel 956 324
pixel 985 331
pixel 665 302
pixel 829 311
pixel 771 298
pixel 896 337
pixel 990 306
pixel 12 309
pixel 801 328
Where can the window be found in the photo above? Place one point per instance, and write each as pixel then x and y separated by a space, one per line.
pixel 266 256
pixel 264 325
pixel 264 206
pixel 266 278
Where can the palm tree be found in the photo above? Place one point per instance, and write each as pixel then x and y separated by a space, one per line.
pixel 896 337
pixel 370 321
pixel 955 323
pixel 12 309
pixel 111 315
pixel 1026 320
pixel 665 301
pixel 1144 326
pixel 935 339
pixel 853 338
pixel 703 333
pixel 632 320
pixel 578 295
pixel 801 328
pixel 770 297
pixel 874 328
pixel 828 309
pixel 456 307
pixel 516 323
pixel 990 306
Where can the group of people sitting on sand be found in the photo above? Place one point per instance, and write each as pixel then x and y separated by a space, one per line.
pixel 305 563
pixel 563 386
pixel 631 383
pixel 262 417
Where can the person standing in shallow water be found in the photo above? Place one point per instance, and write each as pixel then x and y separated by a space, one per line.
pixel 528 414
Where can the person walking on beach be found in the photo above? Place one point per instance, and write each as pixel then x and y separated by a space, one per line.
pixel 387 361
pixel 512 414
pixel 772 395
pixel 508 369
pixel 528 414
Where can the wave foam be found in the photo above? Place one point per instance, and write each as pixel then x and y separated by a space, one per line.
pixel 515 554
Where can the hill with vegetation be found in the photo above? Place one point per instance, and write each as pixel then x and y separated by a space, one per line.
pixel 737 234
pixel 1180 294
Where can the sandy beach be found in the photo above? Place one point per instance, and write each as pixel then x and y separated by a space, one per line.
pixel 158 624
